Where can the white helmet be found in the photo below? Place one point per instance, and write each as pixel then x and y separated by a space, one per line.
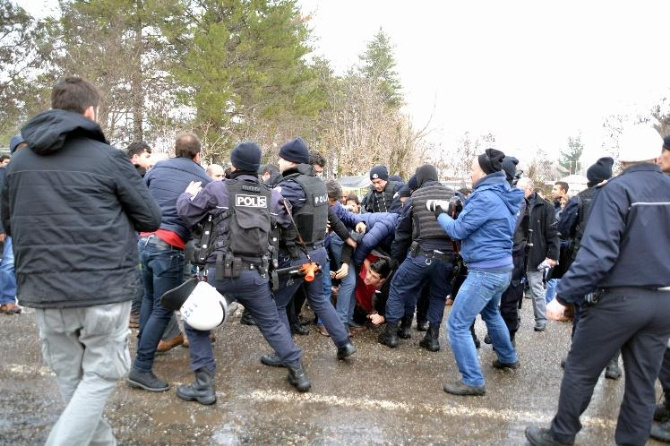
pixel 200 304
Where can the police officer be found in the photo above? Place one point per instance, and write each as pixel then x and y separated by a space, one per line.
pixel 427 256
pixel 241 208
pixel 302 242
pixel 623 259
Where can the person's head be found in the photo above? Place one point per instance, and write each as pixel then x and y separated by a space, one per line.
pixel 424 174
pixel 293 153
pixel 485 164
pixel 404 193
pixel 560 189
pixel 379 176
pixel 509 164
pixel 188 146
pixel 334 191
pixel 317 161
pixel 139 153
pixel 600 171
pixel 527 186
pixel 465 191
pixel 246 157
pixel 639 144
pixel 16 142
pixel 4 160
pixel 378 273
pixel 664 159
pixel 76 95
pixel 215 172
pixel 266 171
pixel 353 203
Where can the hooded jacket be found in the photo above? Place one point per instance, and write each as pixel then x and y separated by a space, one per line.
pixel 72 204
pixel 486 225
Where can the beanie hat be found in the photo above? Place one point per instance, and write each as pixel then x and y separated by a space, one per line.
pixel 639 143
pixel 509 166
pixel 405 192
pixel 600 171
pixel 491 161
pixel 295 151
pixel 425 173
pixel 412 183
pixel 379 172
pixel 246 156
pixel 666 142
pixel 14 142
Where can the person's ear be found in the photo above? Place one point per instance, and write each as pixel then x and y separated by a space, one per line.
pixel 91 113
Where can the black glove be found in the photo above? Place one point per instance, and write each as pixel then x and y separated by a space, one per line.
pixel 438 210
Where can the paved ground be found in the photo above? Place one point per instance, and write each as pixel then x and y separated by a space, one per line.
pixel 379 397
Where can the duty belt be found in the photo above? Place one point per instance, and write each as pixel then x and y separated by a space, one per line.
pixel 438 255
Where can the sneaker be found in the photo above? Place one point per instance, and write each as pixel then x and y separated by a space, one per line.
pixel 543 437
pixel 164 346
pixel 540 327
pixel 146 380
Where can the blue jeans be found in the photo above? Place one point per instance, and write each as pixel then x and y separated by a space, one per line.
pixel 162 270
pixel 253 291
pixel 550 292
pixel 479 294
pixel 7 274
pixel 412 275
pixel 318 301
pixel 346 299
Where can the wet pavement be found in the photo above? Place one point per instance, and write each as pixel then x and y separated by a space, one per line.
pixel 379 396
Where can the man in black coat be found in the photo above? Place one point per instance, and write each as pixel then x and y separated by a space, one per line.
pixel 72 204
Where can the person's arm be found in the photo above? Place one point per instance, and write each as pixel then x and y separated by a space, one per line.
pixel 551 235
pixel 474 214
pixel 568 223
pixel 599 249
pixel 195 203
pixel 403 234
pixel 134 196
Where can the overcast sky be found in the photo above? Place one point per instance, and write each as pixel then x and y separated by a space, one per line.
pixel 532 72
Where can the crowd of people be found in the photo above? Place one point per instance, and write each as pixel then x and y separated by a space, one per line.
pixel 98 238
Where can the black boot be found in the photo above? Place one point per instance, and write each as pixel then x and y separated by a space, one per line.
pixel 298 329
pixel 421 325
pixel 297 377
pixel 389 336
pixel 475 339
pixel 612 371
pixel 405 331
pixel 431 341
pixel 247 319
pixel 202 390
pixel 661 432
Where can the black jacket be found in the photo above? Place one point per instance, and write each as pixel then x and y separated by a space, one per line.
pixel 72 204
pixel 544 235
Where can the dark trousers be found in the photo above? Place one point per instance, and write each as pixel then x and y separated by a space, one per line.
pixel 635 320
pixel 509 302
pixel 318 301
pixel 664 376
pixel 413 274
pixel 253 291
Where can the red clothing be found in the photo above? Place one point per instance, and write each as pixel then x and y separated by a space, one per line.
pixel 169 237
pixel 364 293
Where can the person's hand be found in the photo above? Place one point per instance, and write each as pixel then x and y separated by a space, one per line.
pixel 193 188
pixel 551 262
pixel 342 272
pixel 376 319
pixel 351 242
pixel 361 228
pixel 556 311
pixel 3 237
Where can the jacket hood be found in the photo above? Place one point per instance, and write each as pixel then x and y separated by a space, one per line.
pixel 47 132
pixel 511 196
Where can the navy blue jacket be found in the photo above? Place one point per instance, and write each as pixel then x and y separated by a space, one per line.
pixel 380 233
pixel 627 240
pixel 167 180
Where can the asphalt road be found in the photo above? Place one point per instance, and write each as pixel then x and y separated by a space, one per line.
pixel 378 397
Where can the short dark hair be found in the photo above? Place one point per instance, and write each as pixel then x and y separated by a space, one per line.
pixel 74 94
pixel 334 189
pixel 316 159
pixel 382 267
pixel 354 198
pixel 4 157
pixel 565 186
pixel 137 148
pixel 187 146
